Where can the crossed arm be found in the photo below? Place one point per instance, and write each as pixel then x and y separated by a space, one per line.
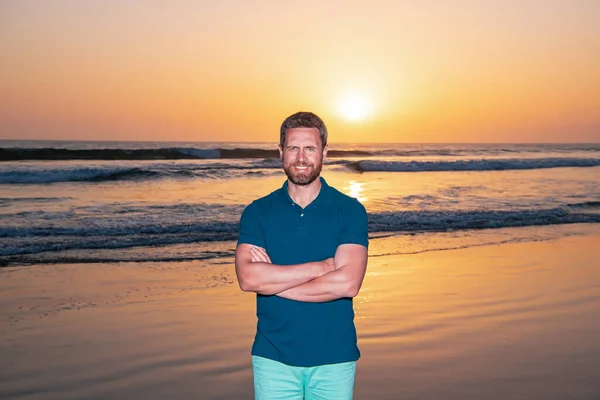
pixel 320 281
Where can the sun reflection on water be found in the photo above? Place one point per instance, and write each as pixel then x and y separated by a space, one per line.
pixel 356 190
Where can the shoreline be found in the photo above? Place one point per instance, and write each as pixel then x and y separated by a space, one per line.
pixel 490 321
pixel 381 244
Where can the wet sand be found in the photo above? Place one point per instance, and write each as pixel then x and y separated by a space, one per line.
pixel 507 321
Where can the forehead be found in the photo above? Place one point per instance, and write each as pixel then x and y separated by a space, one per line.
pixel 302 136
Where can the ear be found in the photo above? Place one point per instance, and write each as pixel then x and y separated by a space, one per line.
pixel 280 152
pixel 325 151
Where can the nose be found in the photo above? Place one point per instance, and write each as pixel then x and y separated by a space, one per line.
pixel 302 155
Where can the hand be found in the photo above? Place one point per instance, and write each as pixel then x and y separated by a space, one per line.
pixel 259 255
pixel 329 264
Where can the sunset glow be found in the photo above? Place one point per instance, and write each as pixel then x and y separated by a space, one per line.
pixel 354 107
pixel 229 71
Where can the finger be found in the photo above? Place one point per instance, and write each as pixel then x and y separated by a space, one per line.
pixel 264 253
pixel 260 257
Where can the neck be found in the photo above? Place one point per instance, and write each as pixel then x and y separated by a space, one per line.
pixel 303 195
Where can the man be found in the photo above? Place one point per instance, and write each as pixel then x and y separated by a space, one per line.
pixel 303 250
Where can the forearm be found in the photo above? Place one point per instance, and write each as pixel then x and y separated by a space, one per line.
pixel 266 278
pixel 331 286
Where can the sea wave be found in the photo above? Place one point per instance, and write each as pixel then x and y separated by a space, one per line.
pixel 586 205
pixel 21 242
pixel 471 165
pixel 174 153
pixel 8 201
pixel 439 221
pixel 139 173
pixel 96 174
pixel 57 150
pixel 43 174
pixel 112 257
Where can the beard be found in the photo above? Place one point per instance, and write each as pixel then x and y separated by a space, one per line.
pixel 303 178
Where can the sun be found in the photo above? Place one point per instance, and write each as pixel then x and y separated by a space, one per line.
pixel 354 107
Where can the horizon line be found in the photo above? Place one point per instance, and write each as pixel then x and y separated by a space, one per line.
pixel 276 142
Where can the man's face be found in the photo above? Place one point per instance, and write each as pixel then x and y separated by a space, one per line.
pixel 302 155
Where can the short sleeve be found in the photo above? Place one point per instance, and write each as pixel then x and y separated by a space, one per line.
pixel 250 230
pixel 355 225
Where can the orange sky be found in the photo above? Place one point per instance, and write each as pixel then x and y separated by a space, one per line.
pixel 430 71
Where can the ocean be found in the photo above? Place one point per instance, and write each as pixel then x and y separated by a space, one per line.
pixel 105 202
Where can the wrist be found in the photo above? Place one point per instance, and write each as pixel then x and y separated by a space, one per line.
pixel 328 265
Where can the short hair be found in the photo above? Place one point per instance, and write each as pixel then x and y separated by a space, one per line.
pixel 303 119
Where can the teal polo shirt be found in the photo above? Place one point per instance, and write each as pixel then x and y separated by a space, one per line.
pixel 299 333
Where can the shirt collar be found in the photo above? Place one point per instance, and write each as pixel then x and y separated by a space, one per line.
pixel 322 197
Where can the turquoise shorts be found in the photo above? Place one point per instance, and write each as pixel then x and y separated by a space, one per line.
pixel 276 381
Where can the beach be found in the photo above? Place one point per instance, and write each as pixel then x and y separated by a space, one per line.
pixel 117 275
pixel 136 135
pixel 500 320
